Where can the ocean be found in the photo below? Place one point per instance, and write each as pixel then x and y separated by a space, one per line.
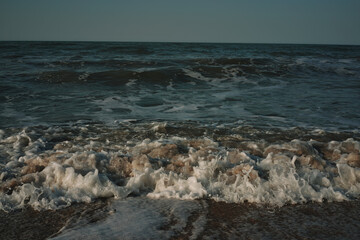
pixel 117 140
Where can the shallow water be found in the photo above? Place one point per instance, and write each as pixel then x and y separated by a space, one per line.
pixel 171 219
pixel 201 219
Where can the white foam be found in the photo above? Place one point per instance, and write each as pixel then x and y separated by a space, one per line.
pixel 181 108
pixel 83 77
pixel 131 82
pixel 88 168
pixel 196 75
pixel 58 186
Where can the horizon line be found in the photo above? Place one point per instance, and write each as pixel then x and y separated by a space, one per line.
pixel 185 42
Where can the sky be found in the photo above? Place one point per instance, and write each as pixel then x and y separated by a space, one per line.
pixel 237 21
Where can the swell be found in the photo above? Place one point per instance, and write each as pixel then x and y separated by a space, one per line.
pixel 113 77
pixel 165 70
pixel 211 71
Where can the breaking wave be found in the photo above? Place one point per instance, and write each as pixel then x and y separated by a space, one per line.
pixel 50 168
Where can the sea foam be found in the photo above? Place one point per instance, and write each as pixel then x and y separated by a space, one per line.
pixel 51 176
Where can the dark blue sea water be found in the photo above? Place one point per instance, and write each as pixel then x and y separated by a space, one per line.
pixel 261 85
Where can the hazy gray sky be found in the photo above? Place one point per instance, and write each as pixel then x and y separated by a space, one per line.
pixel 249 21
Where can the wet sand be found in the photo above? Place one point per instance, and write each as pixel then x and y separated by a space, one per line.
pixel 223 221
pixel 31 224
pixel 307 221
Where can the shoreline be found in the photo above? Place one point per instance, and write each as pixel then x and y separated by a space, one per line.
pixel 328 220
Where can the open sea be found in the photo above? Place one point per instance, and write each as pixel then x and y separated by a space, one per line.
pixel 116 140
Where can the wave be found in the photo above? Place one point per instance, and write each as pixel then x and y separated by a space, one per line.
pixel 61 76
pixel 134 50
pixel 212 68
pixel 51 168
pixel 114 77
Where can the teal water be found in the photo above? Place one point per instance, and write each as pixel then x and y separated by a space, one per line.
pixel 261 85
